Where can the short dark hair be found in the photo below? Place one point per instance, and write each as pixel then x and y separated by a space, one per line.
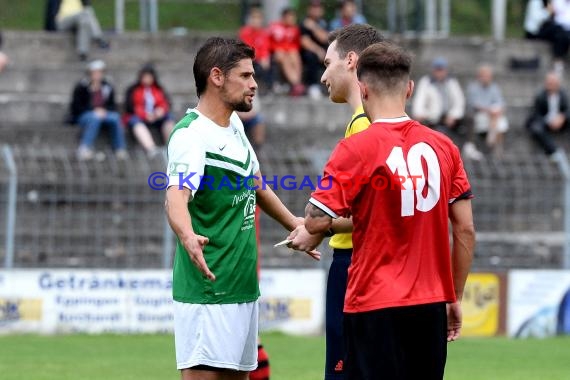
pixel 385 66
pixel 355 37
pixel 223 53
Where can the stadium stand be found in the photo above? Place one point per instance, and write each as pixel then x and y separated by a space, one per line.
pixel 103 213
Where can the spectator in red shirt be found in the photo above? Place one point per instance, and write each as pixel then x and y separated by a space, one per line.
pixel 147 106
pixel 286 47
pixel 255 35
pixel 400 182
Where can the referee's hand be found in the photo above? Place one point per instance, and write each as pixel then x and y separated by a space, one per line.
pixel 194 246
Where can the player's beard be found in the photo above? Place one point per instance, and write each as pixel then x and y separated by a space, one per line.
pixel 242 106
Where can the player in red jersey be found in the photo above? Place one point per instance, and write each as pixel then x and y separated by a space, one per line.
pixel 401 182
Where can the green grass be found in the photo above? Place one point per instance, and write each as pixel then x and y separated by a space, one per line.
pixel 118 357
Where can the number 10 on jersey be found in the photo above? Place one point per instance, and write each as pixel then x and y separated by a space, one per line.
pixel 413 179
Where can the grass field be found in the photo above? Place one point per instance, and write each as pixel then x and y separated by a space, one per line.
pixel 118 357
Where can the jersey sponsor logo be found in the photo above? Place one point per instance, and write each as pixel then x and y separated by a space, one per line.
pixel 240 198
pixel 222 147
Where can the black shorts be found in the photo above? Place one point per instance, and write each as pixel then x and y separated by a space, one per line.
pixel 401 343
pixel 336 289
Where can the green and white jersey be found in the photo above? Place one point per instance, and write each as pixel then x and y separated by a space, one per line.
pixel 213 161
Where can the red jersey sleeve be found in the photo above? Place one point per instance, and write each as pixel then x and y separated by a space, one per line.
pixel 344 175
pixel 460 187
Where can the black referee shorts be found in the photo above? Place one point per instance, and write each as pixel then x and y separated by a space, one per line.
pixel 401 343
pixel 336 289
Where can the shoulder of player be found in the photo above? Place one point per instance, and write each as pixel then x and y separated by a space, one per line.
pixel 188 127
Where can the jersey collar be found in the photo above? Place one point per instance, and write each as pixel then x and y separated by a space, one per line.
pixel 393 119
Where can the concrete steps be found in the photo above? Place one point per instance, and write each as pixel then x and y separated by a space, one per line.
pixel 29 49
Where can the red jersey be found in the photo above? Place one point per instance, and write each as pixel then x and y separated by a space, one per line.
pixel 396 179
pixel 258 39
pixel 285 37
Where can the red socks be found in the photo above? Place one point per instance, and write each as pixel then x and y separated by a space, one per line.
pixel 263 371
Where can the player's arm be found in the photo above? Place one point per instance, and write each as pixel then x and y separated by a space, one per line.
pixel 185 167
pixel 176 207
pixel 341 225
pixel 316 220
pixel 463 231
pixel 272 206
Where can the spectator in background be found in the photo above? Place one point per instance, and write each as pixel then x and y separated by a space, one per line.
pixel 93 105
pixel 347 14
pixel 147 106
pixel 439 101
pixel 314 42
pixel 561 11
pixel 549 114
pixel 539 24
pixel 255 35
pixel 78 16
pixel 254 125
pixel 487 108
pixel 3 56
pixel 286 47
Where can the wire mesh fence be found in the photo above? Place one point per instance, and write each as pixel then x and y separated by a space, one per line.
pixel 103 213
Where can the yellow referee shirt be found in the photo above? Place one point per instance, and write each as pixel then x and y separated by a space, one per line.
pixel 358 123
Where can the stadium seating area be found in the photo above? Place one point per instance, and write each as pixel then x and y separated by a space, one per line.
pixel 103 213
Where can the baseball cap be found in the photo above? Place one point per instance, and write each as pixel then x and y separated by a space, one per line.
pixel 439 63
pixel 96 65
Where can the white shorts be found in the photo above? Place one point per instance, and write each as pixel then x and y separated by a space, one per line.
pixel 216 335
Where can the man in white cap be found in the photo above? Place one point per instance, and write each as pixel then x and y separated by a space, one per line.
pixel 93 106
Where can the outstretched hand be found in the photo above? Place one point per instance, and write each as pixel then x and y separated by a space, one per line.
pixel 194 245
pixel 454 321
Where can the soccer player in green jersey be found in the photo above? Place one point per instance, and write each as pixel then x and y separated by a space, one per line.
pixel 214 186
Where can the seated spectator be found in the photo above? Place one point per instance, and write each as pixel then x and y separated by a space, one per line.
pixel 314 43
pixel 93 105
pixel 539 24
pixel 561 11
pixel 439 101
pixel 347 15
pixel 487 108
pixel 549 114
pixel 3 56
pixel 147 106
pixel 255 35
pixel 77 16
pixel 286 46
